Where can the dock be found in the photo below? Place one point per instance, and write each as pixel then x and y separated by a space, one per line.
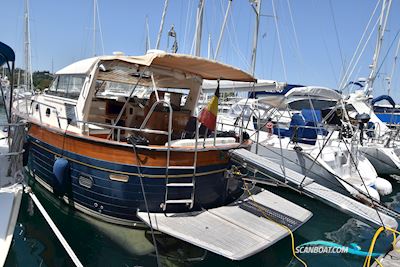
pixel 390 259
pixel 269 171
pixel 236 231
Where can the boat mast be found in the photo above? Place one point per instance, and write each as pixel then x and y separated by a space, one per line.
pixel 199 27
pixel 393 67
pixel 147 35
pixel 209 47
pixel 161 24
pixel 256 4
pixel 222 29
pixel 94 27
pixel 28 79
pixel 378 47
pixel 19 78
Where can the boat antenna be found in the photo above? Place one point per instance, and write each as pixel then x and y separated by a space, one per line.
pixel 161 24
pixel 386 4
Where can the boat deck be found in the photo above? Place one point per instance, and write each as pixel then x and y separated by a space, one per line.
pixel 268 171
pixel 235 231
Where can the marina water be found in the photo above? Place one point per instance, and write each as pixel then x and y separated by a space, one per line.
pixel 101 244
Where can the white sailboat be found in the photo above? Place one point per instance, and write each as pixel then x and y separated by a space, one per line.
pixel 10 189
pixel 305 146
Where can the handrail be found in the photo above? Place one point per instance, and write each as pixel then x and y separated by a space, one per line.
pixel 116 127
pixel 40 112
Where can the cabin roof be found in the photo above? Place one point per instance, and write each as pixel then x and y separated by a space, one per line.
pixel 204 68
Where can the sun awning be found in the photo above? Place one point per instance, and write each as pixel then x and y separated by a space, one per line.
pixel 204 68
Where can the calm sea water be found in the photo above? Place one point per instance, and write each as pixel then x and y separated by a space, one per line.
pixel 102 244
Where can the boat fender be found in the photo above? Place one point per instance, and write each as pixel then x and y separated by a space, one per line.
pixel 61 176
pixel 383 186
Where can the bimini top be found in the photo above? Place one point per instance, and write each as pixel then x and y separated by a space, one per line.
pixel 204 68
pixel 6 54
pixel 314 92
pixel 304 97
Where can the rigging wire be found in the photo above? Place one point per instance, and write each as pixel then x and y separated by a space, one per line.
pixel 189 8
pixel 387 52
pixel 296 39
pixel 393 66
pixel 346 79
pixel 146 204
pixel 279 40
pixel 363 182
pixel 337 36
pixel 234 41
pixel 100 29
pixel 346 74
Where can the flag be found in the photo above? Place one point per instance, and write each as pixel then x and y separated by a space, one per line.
pixel 208 115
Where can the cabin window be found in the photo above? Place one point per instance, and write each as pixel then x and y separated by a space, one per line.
pixel 68 86
pixel 71 115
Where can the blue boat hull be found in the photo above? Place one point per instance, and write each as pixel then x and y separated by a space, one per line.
pixel 118 201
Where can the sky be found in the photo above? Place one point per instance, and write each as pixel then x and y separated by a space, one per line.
pixel 310 42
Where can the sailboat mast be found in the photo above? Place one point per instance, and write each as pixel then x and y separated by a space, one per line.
pixel 223 29
pixel 161 24
pixel 94 26
pixel 19 78
pixel 393 66
pixel 199 27
pixel 147 35
pixel 27 49
pixel 209 47
pixel 386 4
pixel 257 8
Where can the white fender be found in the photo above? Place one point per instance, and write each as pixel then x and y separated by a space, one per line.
pixel 383 186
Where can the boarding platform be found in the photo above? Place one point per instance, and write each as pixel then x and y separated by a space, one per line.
pixel 236 231
pixel 268 171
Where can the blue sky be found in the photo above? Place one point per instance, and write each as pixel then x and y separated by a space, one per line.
pixel 61 32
